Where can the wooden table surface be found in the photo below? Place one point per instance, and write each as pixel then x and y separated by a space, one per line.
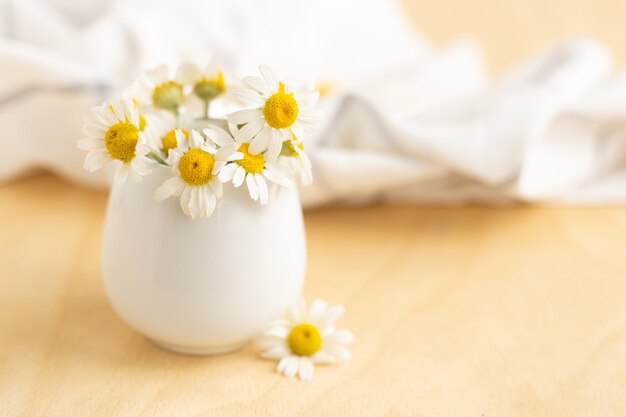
pixel 457 312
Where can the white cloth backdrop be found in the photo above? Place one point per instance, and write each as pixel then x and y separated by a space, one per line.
pixel 406 121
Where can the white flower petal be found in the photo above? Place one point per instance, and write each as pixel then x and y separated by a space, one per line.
pixel 248 97
pixel 108 115
pixel 274 149
pixel 121 174
pixel 318 307
pixel 239 176
pixel 302 156
pixel 282 364
pixel 142 149
pixel 291 367
pixel 275 352
pixel 218 166
pixel 235 156
pixel 342 337
pixel 217 188
pixel 185 198
pixel 338 351
pixel 218 135
pixel 258 84
pixel 245 116
pixel 323 357
pixel 96 159
pixel 269 76
pixel 209 147
pixel 210 201
pixel 94 131
pixel 261 141
pixel 195 203
pixel 195 138
pixel 327 331
pixel 131 112
pixel 330 316
pixel 249 131
pixel 171 186
pixel 117 106
pixel 308 101
pixel 306 176
pixel 253 189
pixel 173 157
pixel 301 165
pixel 298 133
pixel 305 371
pixel 97 123
pixel 233 128
pixel 311 116
pixel 263 191
pixel 135 175
pixel 228 172
pixel 229 153
pixel 276 177
pixel 283 134
pixel 139 167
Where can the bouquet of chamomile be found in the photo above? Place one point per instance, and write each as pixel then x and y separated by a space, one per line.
pixel 165 119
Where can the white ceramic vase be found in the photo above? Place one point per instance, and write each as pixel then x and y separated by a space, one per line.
pixel 208 285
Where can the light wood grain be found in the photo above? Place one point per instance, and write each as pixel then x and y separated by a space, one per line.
pixel 472 312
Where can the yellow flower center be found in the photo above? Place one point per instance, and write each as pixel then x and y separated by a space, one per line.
pixel 196 167
pixel 289 150
pixel 142 123
pixel 280 109
pixel 253 164
pixel 121 141
pixel 209 88
pixel 168 95
pixel 304 339
pixel 169 140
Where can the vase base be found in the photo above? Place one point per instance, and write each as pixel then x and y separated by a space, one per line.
pixel 197 350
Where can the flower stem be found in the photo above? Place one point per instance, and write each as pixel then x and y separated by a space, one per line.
pixel 157 158
pixel 207 104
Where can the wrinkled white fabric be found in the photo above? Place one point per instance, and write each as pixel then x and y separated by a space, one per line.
pixel 405 122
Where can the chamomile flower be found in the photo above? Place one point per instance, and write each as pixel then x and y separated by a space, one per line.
pixel 194 179
pixel 161 132
pixel 279 110
pixel 157 88
pixel 206 83
pixel 306 338
pixel 254 170
pixel 296 160
pixel 114 134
